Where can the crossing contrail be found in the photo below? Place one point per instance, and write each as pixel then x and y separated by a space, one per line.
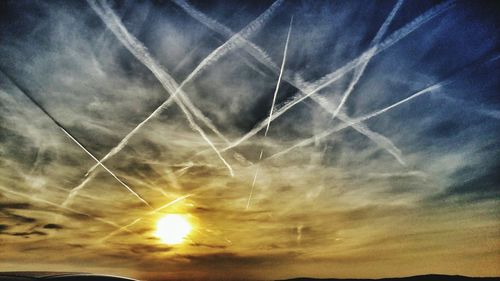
pixel 303 87
pixel 328 132
pixel 251 28
pixel 125 140
pixel 121 229
pixel 358 71
pixel 426 90
pixel 27 94
pixel 140 52
pixel 214 25
pixel 391 40
pixel 216 54
pixel 236 39
pixel 272 108
pixel 297 81
pixel 334 76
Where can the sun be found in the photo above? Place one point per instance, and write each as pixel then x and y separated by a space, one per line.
pixel 172 229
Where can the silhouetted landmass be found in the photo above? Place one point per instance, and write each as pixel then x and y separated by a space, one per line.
pixel 431 277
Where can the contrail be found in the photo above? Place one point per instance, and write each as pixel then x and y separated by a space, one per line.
pixel 119 230
pixel 252 28
pixel 125 140
pixel 298 82
pixel 236 39
pixel 140 52
pixel 254 180
pixel 330 78
pixel 304 88
pixel 74 191
pixel 391 40
pixel 328 132
pixel 212 24
pixel 358 72
pixel 169 204
pixel 435 86
pixel 28 95
pixel 201 17
pixel 272 108
pixel 279 77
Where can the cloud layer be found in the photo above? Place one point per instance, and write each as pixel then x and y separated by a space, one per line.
pixel 412 189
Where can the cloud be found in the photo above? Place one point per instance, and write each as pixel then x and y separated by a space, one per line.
pixel 27 234
pixel 53 226
pixel 19 218
pixel 13 205
pixel 332 207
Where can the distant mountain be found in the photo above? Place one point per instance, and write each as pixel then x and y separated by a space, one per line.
pixel 430 277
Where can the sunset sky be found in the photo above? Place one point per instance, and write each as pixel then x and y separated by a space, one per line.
pixel 301 138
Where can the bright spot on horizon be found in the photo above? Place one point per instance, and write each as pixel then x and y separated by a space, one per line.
pixel 172 229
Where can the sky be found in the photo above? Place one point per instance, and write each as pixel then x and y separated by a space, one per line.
pixel 298 138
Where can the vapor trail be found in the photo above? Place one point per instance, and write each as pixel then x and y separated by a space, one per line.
pixel 140 52
pixel 426 90
pixel 141 218
pixel 279 77
pixel 235 40
pixel 119 230
pixel 74 191
pixel 304 88
pixel 358 71
pixel 214 25
pixel 254 180
pixel 105 168
pixel 391 40
pixel 169 204
pixel 125 140
pixel 60 126
pixel 328 132
pixel 216 54
pixel 272 107
pixel 297 81
pixel 334 76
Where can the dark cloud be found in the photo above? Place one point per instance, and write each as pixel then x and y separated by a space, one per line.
pixel 228 259
pixel 53 226
pixel 25 234
pixel 19 218
pixel 13 205
pixel 208 245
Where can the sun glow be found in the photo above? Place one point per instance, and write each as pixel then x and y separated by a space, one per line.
pixel 172 229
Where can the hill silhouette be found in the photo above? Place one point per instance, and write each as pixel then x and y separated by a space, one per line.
pixel 430 277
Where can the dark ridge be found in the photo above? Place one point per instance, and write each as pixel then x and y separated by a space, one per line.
pixel 429 277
